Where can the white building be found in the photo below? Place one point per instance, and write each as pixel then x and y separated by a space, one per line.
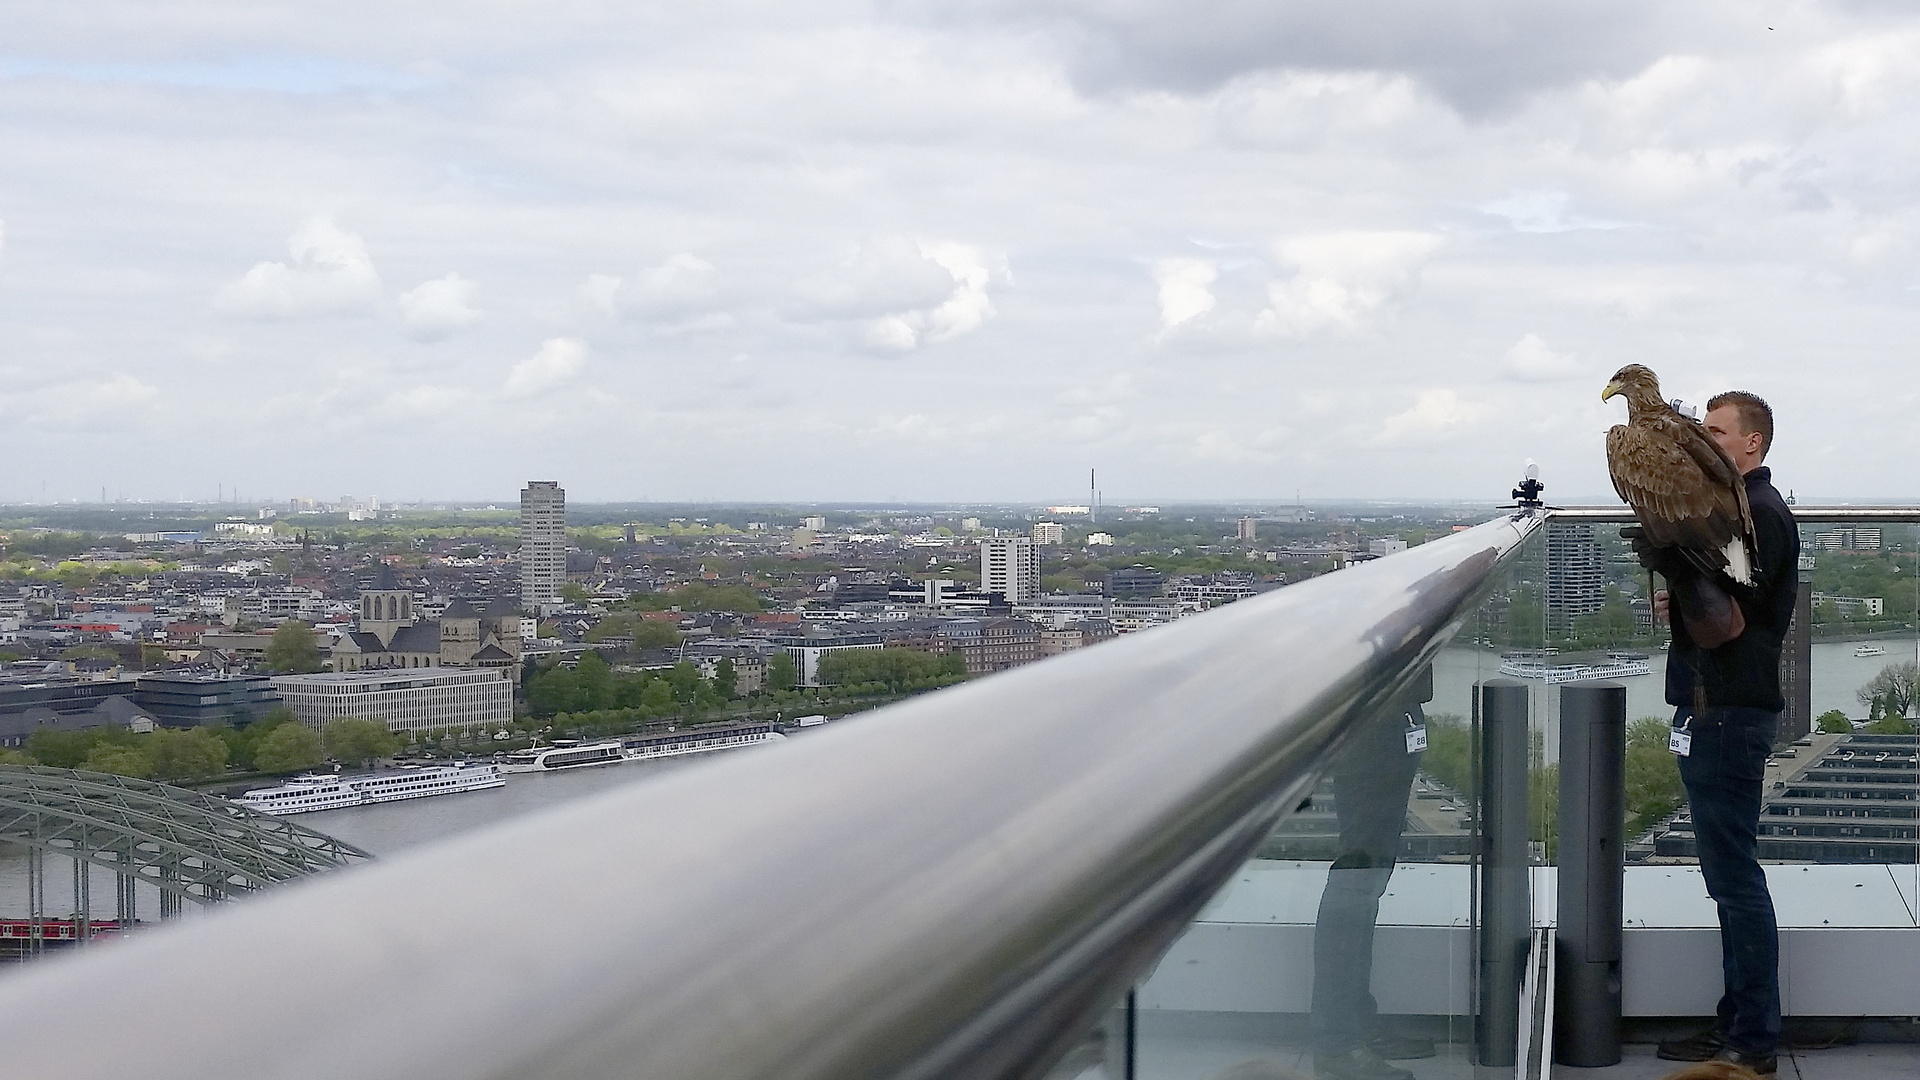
pixel 1391 545
pixel 543 545
pixel 421 699
pixel 1010 566
pixel 1049 532
pixel 1247 530
pixel 816 524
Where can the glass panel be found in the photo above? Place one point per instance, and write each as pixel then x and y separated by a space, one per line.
pixel 1349 937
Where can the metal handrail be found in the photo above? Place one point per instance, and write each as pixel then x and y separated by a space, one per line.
pixel 953 886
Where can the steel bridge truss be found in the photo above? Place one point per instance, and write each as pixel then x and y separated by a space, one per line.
pixel 185 844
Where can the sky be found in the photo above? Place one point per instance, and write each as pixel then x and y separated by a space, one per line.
pixel 907 251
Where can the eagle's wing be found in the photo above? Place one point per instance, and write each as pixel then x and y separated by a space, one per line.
pixel 1686 494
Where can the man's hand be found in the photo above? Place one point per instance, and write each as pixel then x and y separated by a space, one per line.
pixel 1662 606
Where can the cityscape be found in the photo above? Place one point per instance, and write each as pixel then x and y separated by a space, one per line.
pixel 1040 541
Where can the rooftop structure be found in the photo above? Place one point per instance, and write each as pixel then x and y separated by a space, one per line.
pixel 424 699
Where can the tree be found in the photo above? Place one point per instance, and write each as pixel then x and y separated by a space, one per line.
pixel 1835 722
pixel 595 680
pixel 186 755
pixel 294 649
pixel 120 760
pixel 1890 724
pixel 353 740
pixel 1893 689
pixel 575 593
pixel 725 680
pixel 288 748
pixel 780 671
pixel 1653 782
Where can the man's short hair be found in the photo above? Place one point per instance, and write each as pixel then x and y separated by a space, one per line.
pixel 1755 414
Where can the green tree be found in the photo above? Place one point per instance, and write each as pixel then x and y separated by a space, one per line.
pixel 595 682
pixel 1835 722
pixel 88 652
pixel 575 593
pixel 294 649
pixel 780 671
pixel 658 697
pixel 726 681
pixel 288 748
pixel 1653 782
pixel 353 740
pixel 1449 754
pixel 61 749
pixel 121 760
pixel 15 757
pixel 189 754
pixel 1890 724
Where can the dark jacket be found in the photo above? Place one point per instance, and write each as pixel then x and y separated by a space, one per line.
pixel 1746 671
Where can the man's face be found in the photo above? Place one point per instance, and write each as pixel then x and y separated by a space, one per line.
pixel 1741 445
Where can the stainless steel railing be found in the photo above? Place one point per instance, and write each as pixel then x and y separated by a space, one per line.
pixel 953 886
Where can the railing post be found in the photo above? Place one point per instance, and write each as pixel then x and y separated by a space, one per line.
pixel 1593 750
pixel 1501 705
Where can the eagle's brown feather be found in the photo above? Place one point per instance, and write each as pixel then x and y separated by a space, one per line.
pixel 1682 486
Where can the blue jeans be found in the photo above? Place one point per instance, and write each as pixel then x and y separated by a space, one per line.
pixel 1372 779
pixel 1723 775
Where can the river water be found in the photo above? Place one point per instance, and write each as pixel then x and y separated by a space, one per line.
pixel 390 828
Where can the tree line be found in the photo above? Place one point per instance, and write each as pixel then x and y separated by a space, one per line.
pixel 276 743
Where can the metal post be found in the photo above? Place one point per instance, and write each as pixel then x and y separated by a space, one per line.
pixel 36 899
pixel 1504 914
pixel 1593 751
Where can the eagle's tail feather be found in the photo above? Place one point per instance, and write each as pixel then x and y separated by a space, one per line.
pixel 1739 565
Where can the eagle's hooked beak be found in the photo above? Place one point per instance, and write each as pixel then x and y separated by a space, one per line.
pixel 1612 389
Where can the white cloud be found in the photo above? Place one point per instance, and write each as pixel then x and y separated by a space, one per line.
pixel 330 273
pixel 906 293
pixel 1433 415
pixel 1544 212
pixel 1185 289
pixel 1531 360
pixel 683 283
pixel 437 309
pixel 1341 278
pixel 601 292
pixel 558 362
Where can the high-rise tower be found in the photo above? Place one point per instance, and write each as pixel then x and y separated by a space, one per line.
pixel 1010 566
pixel 543 545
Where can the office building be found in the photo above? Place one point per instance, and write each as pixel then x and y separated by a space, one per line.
pixel 1049 532
pixel 1010 567
pixel 421 699
pixel 1248 530
pixel 543 545
pixel 1576 575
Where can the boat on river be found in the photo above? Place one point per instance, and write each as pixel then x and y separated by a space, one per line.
pixel 565 754
pixel 322 791
pixel 1869 650
pixel 568 754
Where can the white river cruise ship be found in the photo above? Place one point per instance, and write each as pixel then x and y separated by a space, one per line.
pixel 568 754
pixel 318 791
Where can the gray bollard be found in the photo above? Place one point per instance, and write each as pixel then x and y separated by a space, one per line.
pixel 1593 751
pixel 1501 705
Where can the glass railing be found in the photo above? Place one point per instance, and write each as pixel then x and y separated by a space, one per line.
pixel 1360 924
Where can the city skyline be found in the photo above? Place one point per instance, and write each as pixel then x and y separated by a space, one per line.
pixel 1219 252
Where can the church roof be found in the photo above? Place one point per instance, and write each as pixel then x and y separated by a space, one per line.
pixel 493 652
pixel 502 607
pixel 423 637
pixel 386 580
pixel 363 641
pixel 459 609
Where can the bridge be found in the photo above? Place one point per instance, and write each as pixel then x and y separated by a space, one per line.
pixel 183 845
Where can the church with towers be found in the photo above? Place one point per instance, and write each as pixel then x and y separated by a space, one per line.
pixel 389 635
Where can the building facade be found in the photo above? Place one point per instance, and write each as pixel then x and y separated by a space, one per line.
pixel 1049 532
pixel 1010 567
pixel 432 699
pixel 543 545
pixel 389 633
pixel 1576 575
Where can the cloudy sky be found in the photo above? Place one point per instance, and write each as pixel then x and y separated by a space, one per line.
pixel 882 251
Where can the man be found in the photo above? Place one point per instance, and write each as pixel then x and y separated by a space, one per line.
pixel 1372 781
pixel 1727 714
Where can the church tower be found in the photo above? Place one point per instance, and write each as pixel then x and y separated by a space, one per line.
pixel 386 607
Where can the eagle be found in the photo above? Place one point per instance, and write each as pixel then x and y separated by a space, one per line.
pixel 1686 491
